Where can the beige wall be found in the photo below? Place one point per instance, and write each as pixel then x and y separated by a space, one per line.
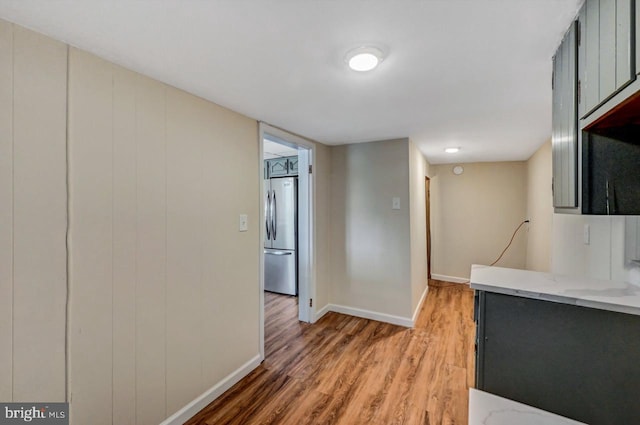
pixel 33 72
pixel 322 164
pixel 163 299
pixel 163 286
pixel 475 214
pixel 378 254
pixel 370 248
pixel 370 242
pixel 539 209
pixel 418 170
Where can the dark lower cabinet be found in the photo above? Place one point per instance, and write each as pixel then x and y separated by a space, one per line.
pixel 578 362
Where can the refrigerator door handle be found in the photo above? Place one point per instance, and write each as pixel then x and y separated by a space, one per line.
pixel 267 214
pixel 274 217
pixel 278 252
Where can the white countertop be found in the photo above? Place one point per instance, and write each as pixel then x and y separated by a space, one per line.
pixel 489 409
pixel 602 294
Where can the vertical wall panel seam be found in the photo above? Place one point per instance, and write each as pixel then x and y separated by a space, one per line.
pixel 202 239
pixel 67 242
pixel 166 250
pixel 135 285
pixel 113 200
pixel 13 207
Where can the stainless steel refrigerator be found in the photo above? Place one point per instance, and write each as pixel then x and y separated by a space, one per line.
pixel 281 222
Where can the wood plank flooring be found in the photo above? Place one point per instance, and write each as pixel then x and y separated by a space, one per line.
pixel 349 371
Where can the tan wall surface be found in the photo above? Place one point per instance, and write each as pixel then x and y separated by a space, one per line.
pixel 370 242
pixel 475 214
pixel 33 95
pixel 418 170
pixel 539 209
pixel 6 211
pixel 322 219
pixel 163 286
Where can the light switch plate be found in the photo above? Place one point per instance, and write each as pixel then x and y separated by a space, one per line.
pixel 395 203
pixel 586 235
pixel 244 225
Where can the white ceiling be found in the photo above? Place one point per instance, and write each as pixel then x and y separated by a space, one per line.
pixel 469 73
pixel 276 150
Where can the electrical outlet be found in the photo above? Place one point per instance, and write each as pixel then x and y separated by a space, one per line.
pixel 244 223
pixel 395 203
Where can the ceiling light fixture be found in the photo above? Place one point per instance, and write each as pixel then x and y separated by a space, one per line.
pixel 364 58
pixel 452 150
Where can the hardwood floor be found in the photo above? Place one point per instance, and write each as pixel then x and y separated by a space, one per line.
pixel 348 371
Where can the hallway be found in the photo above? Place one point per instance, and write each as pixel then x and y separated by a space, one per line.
pixel 346 370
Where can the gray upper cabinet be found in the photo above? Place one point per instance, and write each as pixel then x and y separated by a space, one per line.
pixel 293 165
pixel 637 40
pixel 281 167
pixel 564 134
pixel 278 167
pixel 606 57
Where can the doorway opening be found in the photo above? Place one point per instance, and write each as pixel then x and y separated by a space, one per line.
pixel 286 265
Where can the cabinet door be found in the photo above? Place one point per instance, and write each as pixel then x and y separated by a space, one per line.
pixel 578 362
pixel 293 165
pixel 637 40
pixel 565 123
pixel 589 53
pixel 605 50
pixel 278 167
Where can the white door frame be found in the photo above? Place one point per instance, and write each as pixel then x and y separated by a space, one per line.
pixel 306 224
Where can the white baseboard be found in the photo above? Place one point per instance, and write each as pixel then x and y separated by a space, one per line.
pixel 372 315
pixel 324 310
pixel 188 411
pixel 419 306
pixel 449 278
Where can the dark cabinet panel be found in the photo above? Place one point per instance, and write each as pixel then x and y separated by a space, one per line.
pixel 606 50
pixel 611 171
pixel 578 362
pixel 564 136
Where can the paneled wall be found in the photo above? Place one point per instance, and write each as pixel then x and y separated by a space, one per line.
pixel 164 288
pixel 33 215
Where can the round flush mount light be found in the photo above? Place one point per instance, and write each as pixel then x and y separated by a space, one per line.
pixel 452 150
pixel 458 169
pixel 364 58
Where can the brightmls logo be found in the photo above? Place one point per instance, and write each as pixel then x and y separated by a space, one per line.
pixel 36 413
pixel 28 415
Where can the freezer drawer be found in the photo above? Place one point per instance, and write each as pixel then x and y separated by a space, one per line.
pixel 280 271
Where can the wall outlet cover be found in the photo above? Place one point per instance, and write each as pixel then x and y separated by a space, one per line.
pixel 395 203
pixel 586 234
